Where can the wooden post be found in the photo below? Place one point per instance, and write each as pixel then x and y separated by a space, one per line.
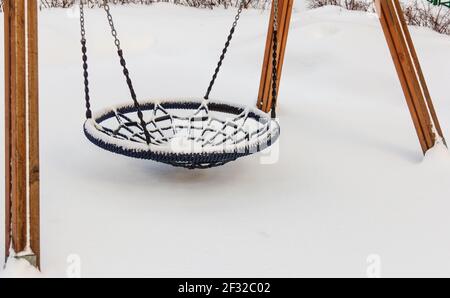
pixel 21 140
pixel 284 16
pixel 8 71
pixel 18 127
pixel 33 129
pixel 409 72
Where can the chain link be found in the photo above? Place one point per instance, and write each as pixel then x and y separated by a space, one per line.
pixel 111 24
pixel 82 21
pixel 275 16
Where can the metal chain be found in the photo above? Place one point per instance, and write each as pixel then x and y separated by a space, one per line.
pixel 275 16
pixel 111 24
pixel 225 49
pixel 85 62
pixel 274 61
pixel 126 72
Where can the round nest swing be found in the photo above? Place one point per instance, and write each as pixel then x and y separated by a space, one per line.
pixel 189 133
pixel 184 133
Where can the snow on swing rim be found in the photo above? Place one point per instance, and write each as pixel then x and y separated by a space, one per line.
pixel 93 129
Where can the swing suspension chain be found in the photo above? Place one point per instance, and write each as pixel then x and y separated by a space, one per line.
pixel 274 55
pixel 126 72
pixel 274 61
pixel 122 63
pixel 85 64
pixel 225 49
pixel 214 77
pixel 111 24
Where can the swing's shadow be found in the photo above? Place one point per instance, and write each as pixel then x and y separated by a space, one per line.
pixel 359 137
pixel 105 167
pixel 167 174
pixel 347 133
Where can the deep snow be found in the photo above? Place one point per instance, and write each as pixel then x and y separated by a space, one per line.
pixel 350 182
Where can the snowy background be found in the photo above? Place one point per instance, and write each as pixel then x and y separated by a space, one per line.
pixel 350 182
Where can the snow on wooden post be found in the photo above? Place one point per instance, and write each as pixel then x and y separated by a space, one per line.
pixel 22 130
pixel 284 18
pixel 410 73
pixel 16 136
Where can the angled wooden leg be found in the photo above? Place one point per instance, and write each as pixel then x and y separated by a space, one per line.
pixel 420 74
pixel 284 16
pixel 409 72
pixel 33 128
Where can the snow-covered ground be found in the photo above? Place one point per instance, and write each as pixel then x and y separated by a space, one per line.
pixel 350 187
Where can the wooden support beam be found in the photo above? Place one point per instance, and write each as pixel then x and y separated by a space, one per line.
pixel 7 49
pixel 284 16
pixel 409 72
pixel 18 127
pixel 22 129
pixel 33 128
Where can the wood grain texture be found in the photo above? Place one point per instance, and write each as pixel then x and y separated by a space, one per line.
pixel 287 14
pixel 266 63
pixel 284 18
pixel 401 74
pixel 21 126
pixel 267 92
pixel 409 72
pixel 18 128
pixel 420 74
pixel 33 127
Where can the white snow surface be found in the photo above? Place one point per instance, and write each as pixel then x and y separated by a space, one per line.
pixel 350 182
pixel 19 268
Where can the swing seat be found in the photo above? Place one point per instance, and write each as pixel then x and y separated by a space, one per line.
pixel 189 133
